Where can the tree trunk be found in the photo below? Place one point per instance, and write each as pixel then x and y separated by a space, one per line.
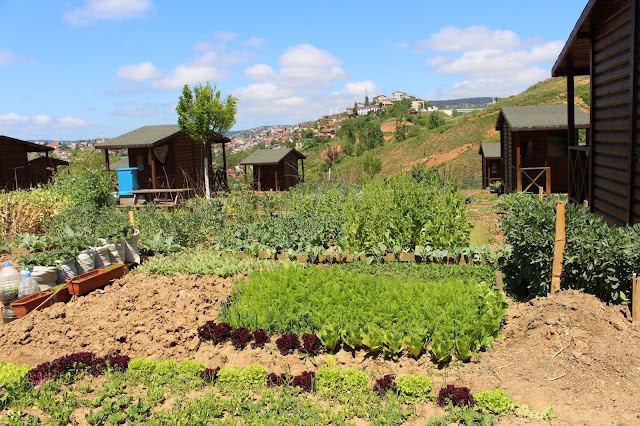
pixel 207 151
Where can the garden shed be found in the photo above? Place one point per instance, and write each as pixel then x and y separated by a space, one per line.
pixel 167 158
pixel 274 169
pixel 491 163
pixel 15 170
pixel 534 146
pixel 42 168
pixel 604 45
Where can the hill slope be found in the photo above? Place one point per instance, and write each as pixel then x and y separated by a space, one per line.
pixel 451 148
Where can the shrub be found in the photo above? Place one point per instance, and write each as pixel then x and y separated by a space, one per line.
pixel 414 388
pixel 458 396
pixel 385 384
pixel 494 401
pixel 288 343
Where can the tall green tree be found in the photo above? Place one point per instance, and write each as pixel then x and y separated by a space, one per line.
pixel 205 116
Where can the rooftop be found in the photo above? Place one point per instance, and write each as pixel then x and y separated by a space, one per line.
pixel 540 117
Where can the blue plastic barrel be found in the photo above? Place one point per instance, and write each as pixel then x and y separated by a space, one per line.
pixel 127 180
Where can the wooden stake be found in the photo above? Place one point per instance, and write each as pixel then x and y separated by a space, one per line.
pixel 635 298
pixel 499 281
pixel 540 193
pixel 558 250
pixel 131 221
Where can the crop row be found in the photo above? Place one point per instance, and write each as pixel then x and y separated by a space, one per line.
pixel 379 314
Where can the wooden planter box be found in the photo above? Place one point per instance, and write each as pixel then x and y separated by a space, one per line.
pixel 264 255
pixel 348 258
pixel 321 258
pixel 23 306
pixel 88 281
pixel 407 257
pixel 302 258
pixel 390 257
pixel 282 257
pixel 241 255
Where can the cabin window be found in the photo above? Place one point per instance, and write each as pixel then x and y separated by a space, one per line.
pixel 494 169
pixel 140 163
pixel 526 150
pixel 557 144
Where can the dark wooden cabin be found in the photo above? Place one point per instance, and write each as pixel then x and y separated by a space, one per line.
pixel 604 45
pixel 15 171
pixel 167 158
pixel 491 163
pixel 42 168
pixel 533 146
pixel 274 169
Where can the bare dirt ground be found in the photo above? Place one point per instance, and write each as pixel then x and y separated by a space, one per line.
pixel 571 351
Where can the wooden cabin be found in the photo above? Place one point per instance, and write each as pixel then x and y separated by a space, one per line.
pixel 604 45
pixel 491 163
pixel 274 169
pixel 42 168
pixel 167 158
pixel 15 171
pixel 533 146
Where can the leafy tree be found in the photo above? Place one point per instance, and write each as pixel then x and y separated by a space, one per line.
pixel 372 165
pixel 329 156
pixel 401 129
pixel 355 108
pixel 373 136
pixel 306 133
pixel 455 113
pixel 400 108
pixel 347 147
pixel 82 159
pixel 435 120
pixel 366 100
pixel 204 116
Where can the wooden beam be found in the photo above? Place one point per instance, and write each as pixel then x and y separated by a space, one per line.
pixel 276 176
pixel 635 298
pixel 153 167
pixel 106 160
pixel 633 119
pixel 558 248
pixel 591 121
pixel 518 165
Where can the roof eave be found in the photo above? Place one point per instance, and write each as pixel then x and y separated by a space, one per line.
pixel 560 67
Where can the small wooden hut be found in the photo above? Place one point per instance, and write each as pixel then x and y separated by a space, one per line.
pixel 167 158
pixel 533 146
pixel 15 170
pixel 274 169
pixel 604 44
pixel 42 168
pixel 491 163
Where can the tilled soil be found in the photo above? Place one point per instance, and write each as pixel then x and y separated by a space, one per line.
pixel 571 351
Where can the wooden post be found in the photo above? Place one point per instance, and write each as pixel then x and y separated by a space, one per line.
pixel 635 298
pixel 106 160
pixel 548 173
pixel 153 167
pixel 246 181
pixel 276 177
pixel 558 249
pixel 540 193
pixel 518 166
pixel 131 221
pixel 499 281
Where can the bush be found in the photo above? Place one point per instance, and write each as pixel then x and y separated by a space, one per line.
pixel 414 388
pixel 89 186
pixel 599 258
pixel 495 401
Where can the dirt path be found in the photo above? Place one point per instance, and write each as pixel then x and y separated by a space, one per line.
pixel 571 351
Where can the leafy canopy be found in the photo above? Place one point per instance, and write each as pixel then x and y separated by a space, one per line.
pixel 203 115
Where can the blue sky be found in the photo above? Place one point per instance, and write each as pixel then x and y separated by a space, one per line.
pixel 76 69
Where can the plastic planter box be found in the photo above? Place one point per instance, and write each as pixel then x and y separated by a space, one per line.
pixel 23 306
pixel 88 281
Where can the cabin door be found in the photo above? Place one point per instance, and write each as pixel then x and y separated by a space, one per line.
pixel 558 160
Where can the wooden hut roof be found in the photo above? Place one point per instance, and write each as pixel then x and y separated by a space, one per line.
pixel 540 117
pixel 490 149
pixel 269 156
pixel 577 50
pixel 49 161
pixel 145 137
pixel 31 147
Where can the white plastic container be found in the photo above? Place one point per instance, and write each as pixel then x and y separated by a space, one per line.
pixel 27 286
pixel 9 280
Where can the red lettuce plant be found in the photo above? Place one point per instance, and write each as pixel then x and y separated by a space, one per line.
pixel 305 381
pixel 287 343
pixel 260 337
pixel 312 344
pixel 274 380
pixel 217 333
pixel 458 396
pixel 210 374
pixel 384 384
pixel 76 363
pixel 240 337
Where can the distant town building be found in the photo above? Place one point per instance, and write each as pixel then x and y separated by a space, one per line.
pixel 398 96
pixel 366 109
pixel 417 104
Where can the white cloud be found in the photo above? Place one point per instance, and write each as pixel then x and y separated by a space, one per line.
pixel 203 46
pixel 399 47
pixel 13 121
pixel 131 109
pixel 10 58
pixel 189 74
pixel 358 89
pixel 225 36
pixel 492 62
pixel 141 72
pixel 107 10
pixel 260 72
pixel 254 42
pixel 308 66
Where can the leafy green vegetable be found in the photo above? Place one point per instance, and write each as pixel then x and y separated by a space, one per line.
pixel 495 401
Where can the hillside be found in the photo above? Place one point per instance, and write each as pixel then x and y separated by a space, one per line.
pixel 451 148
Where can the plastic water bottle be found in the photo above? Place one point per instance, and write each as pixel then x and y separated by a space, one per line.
pixel 28 286
pixel 9 280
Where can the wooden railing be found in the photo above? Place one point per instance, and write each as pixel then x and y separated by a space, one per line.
pixel 578 174
pixel 540 177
